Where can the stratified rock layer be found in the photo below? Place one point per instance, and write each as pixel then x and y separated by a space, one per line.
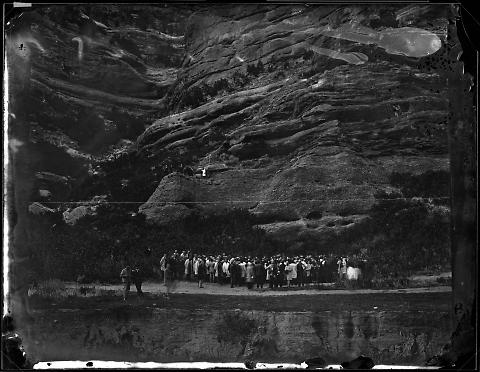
pixel 303 140
pixel 91 76
pixel 302 115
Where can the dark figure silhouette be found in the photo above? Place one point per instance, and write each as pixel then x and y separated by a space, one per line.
pixel 362 362
pixel 137 279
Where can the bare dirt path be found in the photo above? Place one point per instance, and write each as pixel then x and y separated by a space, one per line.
pixel 183 287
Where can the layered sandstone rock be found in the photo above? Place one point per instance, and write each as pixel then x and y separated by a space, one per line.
pixel 303 115
pixel 304 140
pixel 88 77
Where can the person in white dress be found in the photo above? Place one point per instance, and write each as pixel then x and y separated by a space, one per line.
pixel 250 274
pixel 243 272
pixel 196 261
pixel 293 265
pixel 163 268
pixel 225 268
pixel 290 270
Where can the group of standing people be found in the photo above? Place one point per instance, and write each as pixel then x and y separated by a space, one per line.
pixel 277 271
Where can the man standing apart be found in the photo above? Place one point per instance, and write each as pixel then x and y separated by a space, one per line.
pixel 163 268
pixel 126 275
pixel 137 279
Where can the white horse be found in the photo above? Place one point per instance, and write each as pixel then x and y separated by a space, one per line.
pixel 353 273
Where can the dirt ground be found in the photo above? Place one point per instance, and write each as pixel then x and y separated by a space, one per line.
pixel 213 296
pixel 381 302
pixel 186 295
pixel 185 287
pixel 415 308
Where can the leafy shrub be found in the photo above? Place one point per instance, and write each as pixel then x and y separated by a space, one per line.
pixel 308 73
pixel 255 70
pixel 143 174
pixel 405 236
pixel 309 54
pixel 402 236
pixel 98 246
pixel 239 79
pixel 444 281
pixel 194 97
pixel 218 86
pixel 428 184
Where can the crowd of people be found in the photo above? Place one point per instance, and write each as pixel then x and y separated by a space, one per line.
pixel 276 271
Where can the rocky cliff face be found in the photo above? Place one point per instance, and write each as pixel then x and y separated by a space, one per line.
pixel 303 115
pixel 88 80
pixel 301 127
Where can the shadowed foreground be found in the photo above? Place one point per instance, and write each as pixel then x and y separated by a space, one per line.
pixel 400 328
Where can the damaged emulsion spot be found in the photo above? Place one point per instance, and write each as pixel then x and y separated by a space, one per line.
pixel 354 58
pixel 80 47
pixel 14 145
pixel 408 41
pixel 21 44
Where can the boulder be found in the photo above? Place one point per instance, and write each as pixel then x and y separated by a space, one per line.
pixel 44 193
pixel 37 208
pixel 72 216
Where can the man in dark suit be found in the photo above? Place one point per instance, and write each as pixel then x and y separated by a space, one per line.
pixel 137 278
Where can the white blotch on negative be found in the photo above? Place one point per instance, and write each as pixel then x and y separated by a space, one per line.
pixel 320 83
pixel 6 197
pixel 80 47
pixel 193 365
pixel 436 44
pixel 14 144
